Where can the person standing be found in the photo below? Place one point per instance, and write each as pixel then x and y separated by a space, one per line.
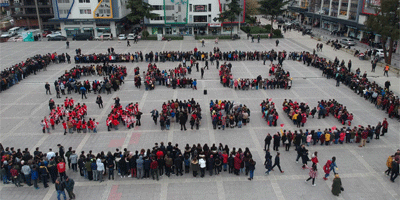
pixel 67 43
pixel 154 114
pixel 267 141
pixel 100 169
pixel 195 166
pixel 15 176
pixel 252 167
pixel 69 186
pixel 389 162
pixel 277 139
pixel 74 161
pixel 44 173
pixel 277 42
pixel 385 126
pixel 99 101
pixel 202 43
pixel 61 169
pixel 60 187
pixel 47 87
pixel 395 169
pixel 154 169
pixel 202 72
pixel 313 175
pixel 183 117
pixel 202 164
pixel 26 170
pixel 337 185
pixel 128 44
pixel 277 162
pixel 386 70
pixel 349 65
pixel 35 177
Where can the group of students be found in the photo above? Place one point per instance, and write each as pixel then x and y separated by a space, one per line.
pixel 170 78
pixel 297 112
pixel 381 96
pixel 128 116
pixel 180 111
pixel 74 118
pixel 269 112
pixel 333 107
pixel 228 114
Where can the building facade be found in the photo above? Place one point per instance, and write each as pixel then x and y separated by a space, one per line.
pixel 90 16
pixel 184 17
pixel 24 13
pixel 345 16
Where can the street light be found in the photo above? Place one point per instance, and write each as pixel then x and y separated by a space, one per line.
pixel 39 22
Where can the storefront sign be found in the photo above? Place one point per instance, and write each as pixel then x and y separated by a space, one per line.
pixel 369 6
pixel 200 8
pixel 214 24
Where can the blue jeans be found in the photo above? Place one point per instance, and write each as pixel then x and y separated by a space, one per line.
pixel 5 181
pixel 59 192
pixel 251 173
pixel 94 130
pixel 28 179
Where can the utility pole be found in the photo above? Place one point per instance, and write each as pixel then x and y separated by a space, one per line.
pixel 39 21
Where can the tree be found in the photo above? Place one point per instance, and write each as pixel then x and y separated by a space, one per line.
pixel 386 24
pixel 139 9
pixel 274 8
pixel 252 7
pixel 231 13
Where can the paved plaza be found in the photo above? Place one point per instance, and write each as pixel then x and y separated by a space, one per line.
pixel 361 169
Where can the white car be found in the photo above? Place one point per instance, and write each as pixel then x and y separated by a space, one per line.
pixel 131 36
pixel 121 37
pixel 288 23
pixel 348 42
pixel 104 36
pixel 380 54
pixel 54 34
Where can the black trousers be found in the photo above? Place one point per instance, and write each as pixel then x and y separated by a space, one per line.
pixel 279 167
pixel 313 180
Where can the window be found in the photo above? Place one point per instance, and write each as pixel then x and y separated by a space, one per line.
pixel 209 7
pixel 200 18
pixel 85 11
pixel 190 7
pixel 84 1
pixel 169 18
pixel 200 8
pixel 169 7
pixel 157 7
pixel 62 1
pixel 63 12
pixel 159 18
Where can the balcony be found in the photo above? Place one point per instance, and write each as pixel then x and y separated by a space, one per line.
pixel 30 4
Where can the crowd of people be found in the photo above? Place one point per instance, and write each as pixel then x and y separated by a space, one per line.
pixel 74 115
pixel 392 163
pixel 381 96
pixel 128 116
pixel 228 114
pixel 339 111
pixel 170 78
pixel 297 112
pixel 114 77
pixel 269 112
pixel 178 111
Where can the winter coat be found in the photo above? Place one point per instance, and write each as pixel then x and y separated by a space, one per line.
pixel 237 162
pixel 389 162
pixel 195 165
pixel 336 186
pixel 100 165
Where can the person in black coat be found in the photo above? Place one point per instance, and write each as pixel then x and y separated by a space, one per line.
pixel 277 139
pixel 267 141
pixel 395 170
pixel 178 164
pixel 183 119
pixel 277 162
pixel 210 164
pixel 146 167
pixel 231 162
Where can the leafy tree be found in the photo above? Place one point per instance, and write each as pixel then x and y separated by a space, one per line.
pixel 231 13
pixel 252 7
pixel 139 9
pixel 274 8
pixel 386 24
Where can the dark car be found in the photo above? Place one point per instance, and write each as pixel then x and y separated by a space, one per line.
pixel 83 36
pixel 57 38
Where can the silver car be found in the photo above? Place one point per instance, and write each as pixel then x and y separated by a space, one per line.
pixel 347 42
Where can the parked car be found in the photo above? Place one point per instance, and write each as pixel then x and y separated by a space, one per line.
pixel 380 54
pixel 45 33
pixel 121 37
pixel 57 33
pixel 235 36
pixel 83 36
pixel 288 23
pixel 347 42
pixel 308 32
pixel 131 36
pixel 57 38
pixel 104 36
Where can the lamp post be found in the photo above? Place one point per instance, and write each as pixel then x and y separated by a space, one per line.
pixel 39 21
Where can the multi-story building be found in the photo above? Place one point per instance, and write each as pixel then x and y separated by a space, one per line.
pixel 346 16
pixel 183 17
pixel 90 16
pixel 24 13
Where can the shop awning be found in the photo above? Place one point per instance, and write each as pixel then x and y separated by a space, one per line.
pixel 87 28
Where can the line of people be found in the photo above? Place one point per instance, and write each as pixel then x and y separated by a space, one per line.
pixel 269 112
pixel 229 115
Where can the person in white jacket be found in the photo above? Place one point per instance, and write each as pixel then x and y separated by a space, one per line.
pixel 100 169
pixel 202 163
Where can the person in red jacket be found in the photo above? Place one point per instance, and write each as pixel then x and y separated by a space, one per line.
pixel 52 122
pixel 15 177
pixel 385 126
pixel 115 123
pixel 159 154
pixel 314 159
pixel 65 127
pixel 225 160
pixel 364 136
pixel 237 163
pixel 154 168
pixel 61 169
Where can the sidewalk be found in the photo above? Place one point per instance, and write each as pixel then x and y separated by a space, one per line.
pixel 364 65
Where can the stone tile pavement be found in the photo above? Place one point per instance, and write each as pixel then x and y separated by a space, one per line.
pixel 23 106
